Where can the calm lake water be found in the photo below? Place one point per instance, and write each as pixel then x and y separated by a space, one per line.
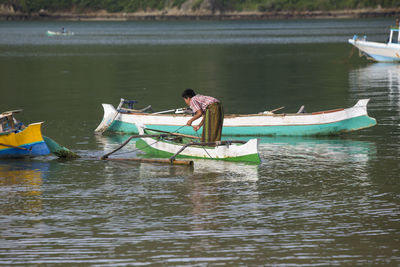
pixel 312 201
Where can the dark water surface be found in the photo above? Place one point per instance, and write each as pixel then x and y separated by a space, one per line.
pixel 312 201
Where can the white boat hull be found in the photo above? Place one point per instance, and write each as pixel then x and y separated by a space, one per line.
pixel 51 33
pixel 247 152
pixel 381 52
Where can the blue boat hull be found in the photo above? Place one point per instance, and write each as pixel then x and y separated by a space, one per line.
pixel 380 58
pixel 27 150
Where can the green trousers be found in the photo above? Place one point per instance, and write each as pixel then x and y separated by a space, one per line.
pixel 213 121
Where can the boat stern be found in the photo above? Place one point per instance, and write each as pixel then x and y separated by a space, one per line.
pixel 250 152
pixel 359 118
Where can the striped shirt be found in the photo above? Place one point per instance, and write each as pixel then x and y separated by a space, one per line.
pixel 201 102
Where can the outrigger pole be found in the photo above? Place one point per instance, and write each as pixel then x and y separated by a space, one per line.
pixel 165 161
pixel 126 142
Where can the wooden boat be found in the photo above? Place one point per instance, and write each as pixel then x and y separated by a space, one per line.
pixel 382 52
pixel 173 145
pixel 18 141
pixel 52 33
pixel 330 122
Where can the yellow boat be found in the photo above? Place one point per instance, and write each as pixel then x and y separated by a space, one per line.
pixel 18 140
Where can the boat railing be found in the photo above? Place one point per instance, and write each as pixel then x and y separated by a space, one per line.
pixel 392 37
pixel 358 38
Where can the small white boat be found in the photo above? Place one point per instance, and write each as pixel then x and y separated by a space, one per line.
pixel 174 145
pixel 382 52
pixel 328 122
pixel 51 33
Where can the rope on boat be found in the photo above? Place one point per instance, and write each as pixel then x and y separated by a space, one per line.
pixel 219 143
pixel 176 131
pixel 203 148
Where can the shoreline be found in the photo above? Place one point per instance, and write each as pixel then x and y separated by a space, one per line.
pixel 175 15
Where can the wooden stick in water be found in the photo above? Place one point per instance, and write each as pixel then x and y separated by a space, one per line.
pixel 164 161
pixel 118 148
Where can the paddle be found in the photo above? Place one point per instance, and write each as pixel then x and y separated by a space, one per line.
pixel 272 111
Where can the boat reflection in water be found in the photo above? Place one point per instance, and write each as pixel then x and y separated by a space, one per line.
pixel 380 81
pixel 307 154
pixel 335 150
pixel 22 182
pixel 218 170
pixel 109 142
pixel 233 171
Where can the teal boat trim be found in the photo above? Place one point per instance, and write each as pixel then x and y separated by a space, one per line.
pixel 334 128
pixel 124 127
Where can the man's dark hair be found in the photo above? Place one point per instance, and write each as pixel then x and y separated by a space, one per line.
pixel 188 93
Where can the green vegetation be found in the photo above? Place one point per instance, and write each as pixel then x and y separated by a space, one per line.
pixel 92 5
pixel 29 6
pixel 196 4
pixel 324 5
pixel 301 5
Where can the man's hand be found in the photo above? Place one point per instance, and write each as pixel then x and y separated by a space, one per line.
pixel 196 127
pixel 197 115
